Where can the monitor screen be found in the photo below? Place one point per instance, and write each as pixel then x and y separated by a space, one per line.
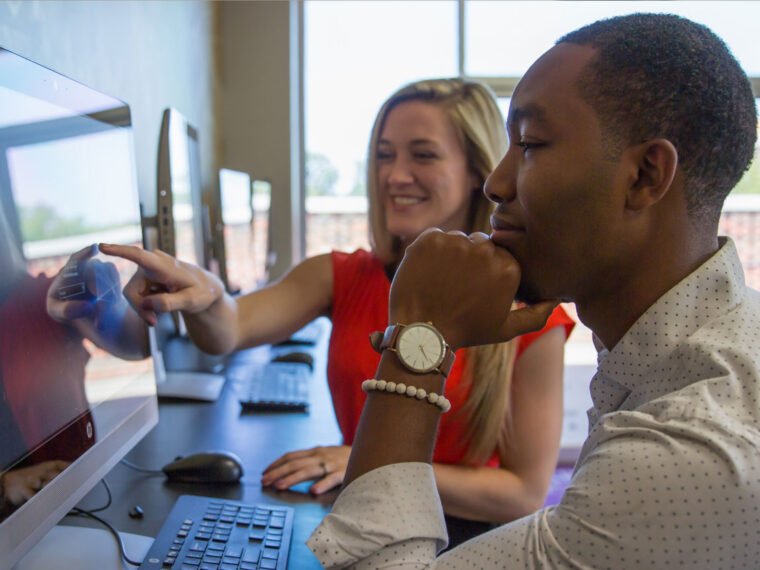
pixel 77 389
pixel 245 207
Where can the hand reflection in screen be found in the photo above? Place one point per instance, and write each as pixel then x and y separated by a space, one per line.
pixel 22 484
pixel 87 294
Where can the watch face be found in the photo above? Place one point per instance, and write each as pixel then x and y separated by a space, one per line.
pixel 420 347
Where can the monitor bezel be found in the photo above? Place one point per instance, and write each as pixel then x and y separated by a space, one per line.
pixel 167 236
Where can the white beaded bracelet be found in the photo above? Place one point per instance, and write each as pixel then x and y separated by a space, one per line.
pixel 410 391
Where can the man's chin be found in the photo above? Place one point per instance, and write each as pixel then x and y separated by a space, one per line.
pixel 528 293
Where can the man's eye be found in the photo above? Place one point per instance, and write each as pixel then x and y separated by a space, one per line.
pixel 526 146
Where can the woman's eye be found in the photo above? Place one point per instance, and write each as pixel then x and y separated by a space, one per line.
pixel 382 156
pixel 424 155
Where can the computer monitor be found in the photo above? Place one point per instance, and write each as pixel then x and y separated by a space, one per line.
pixel 77 392
pixel 182 224
pixel 241 231
pixel 181 212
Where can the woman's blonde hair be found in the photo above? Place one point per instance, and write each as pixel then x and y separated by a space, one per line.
pixel 471 108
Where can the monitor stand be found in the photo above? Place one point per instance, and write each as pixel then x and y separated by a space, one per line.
pixel 202 386
pixel 83 548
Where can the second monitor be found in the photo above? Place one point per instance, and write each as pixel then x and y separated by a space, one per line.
pixel 182 224
pixel 241 228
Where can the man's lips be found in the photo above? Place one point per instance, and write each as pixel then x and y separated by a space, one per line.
pixel 504 225
pixel 505 232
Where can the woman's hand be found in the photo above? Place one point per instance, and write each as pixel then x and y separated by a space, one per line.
pixel 325 464
pixel 163 283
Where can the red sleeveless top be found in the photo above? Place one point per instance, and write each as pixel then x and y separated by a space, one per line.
pixel 360 307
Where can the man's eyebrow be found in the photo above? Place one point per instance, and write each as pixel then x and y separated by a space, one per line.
pixel 529 111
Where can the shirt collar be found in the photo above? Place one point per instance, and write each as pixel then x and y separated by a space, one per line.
pixel 710 291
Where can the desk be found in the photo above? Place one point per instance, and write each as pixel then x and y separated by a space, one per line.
pixel 258 439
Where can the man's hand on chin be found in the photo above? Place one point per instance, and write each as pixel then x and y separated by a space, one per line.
pixel 465 286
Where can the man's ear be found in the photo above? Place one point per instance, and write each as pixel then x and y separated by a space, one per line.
pixel 654 164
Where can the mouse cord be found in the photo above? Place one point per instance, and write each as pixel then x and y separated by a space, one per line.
pixel 122 551
pixel 141 469
pixel 77 512
pixel 108 502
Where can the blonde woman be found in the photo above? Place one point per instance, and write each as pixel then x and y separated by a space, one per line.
pixel 432 146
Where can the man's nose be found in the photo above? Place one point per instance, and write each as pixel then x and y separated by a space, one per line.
pixel 500 184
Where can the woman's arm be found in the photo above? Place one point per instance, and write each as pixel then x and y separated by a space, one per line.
pixel 216 322
pixel 394 429
pixel 519 486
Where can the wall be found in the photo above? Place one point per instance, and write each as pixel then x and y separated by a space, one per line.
pixel 151 54
pixel 258 109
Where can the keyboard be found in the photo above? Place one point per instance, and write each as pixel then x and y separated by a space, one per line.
pixel 277 387
pixel 202 533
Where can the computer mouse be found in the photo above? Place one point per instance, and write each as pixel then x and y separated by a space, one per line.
pixel 206 467
pixel 299 357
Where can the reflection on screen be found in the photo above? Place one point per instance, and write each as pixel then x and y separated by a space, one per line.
pixel 71 363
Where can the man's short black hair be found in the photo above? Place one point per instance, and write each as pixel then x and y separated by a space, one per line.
pixel 663 76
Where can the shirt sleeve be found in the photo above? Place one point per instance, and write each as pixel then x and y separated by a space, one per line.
pixel 386 507
pixel 643 496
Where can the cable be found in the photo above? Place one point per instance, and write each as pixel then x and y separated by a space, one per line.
pixel 110 498
pixel 141 469
pixel 76 511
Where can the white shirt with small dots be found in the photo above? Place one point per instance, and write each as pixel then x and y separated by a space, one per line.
pixel 669 476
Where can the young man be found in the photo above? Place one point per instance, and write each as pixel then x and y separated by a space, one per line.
pixel 625 139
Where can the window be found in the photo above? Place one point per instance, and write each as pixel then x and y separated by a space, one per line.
pixel 357 53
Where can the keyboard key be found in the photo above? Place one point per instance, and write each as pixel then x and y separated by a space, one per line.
pixel 270 553
pixel 268 564
pixel 257 534
pixel 251 555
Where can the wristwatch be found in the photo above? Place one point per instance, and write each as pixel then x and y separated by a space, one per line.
pixel 419 347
